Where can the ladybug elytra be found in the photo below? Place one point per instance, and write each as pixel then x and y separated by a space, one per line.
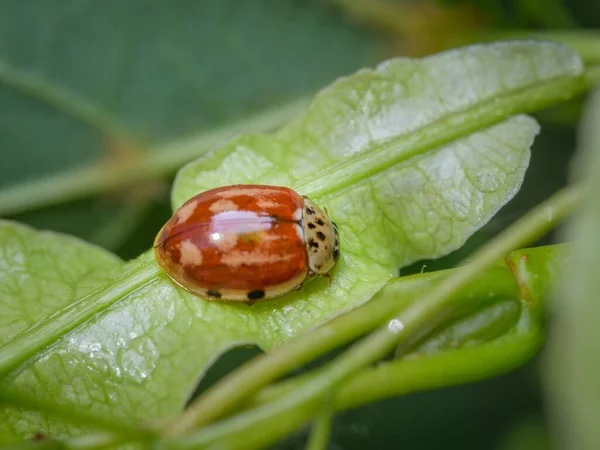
pixel 246 243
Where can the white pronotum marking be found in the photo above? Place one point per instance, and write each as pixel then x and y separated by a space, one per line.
pixel 297 215
pixel 256 257
pixel 299 232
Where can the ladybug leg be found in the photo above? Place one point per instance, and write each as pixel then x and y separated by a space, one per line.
pixel 250 302
pixel 297 288
pixel 330 277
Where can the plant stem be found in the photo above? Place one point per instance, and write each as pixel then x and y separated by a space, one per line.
pixel 228 392
pixel 27 343
pixel 451 367
pixel 321 429
pixel 498 280
pixel 64 100
pixel 156 162
pixel 423 314
pixel 460 366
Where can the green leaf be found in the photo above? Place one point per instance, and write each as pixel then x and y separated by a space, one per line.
pixel 573 364
pixel 41 272
pixel 406 160
pixel 364 149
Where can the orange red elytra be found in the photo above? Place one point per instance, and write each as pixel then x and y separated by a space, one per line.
pixel 246 243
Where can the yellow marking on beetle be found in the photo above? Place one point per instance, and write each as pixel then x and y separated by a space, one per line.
pixel 185 212
pixel 259 255
pixel 235 192
pixel 265 203
pixel 223 205
pixel 224 241
pixel 297 216
pixel 191 255
pixel 255 238
pixel 299 232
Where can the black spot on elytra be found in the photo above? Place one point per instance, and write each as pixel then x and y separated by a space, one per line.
pixel 336 254
pixel 313 243
pixel 310 211
pixel 311 226
pixel 321 235
pixel 256 294
pixel 319 221
pixel 215 294
pixel 334 225
pixel 337 243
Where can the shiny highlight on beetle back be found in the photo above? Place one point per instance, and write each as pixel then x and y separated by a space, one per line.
pixel 245 243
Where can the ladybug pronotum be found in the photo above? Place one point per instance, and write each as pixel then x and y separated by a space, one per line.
pixel 247 243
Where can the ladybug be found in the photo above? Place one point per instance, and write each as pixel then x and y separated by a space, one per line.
pixel 246 243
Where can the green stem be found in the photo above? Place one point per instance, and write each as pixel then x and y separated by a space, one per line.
pixel 114 234
pixel 294 409
pixel 232 389
pixel 156 162
pixel 499 280
pixel 66 101
pixel 42 334
pixel 321 429
pixel 451 367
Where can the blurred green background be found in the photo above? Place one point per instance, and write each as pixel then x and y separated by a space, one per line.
pixel 101 101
